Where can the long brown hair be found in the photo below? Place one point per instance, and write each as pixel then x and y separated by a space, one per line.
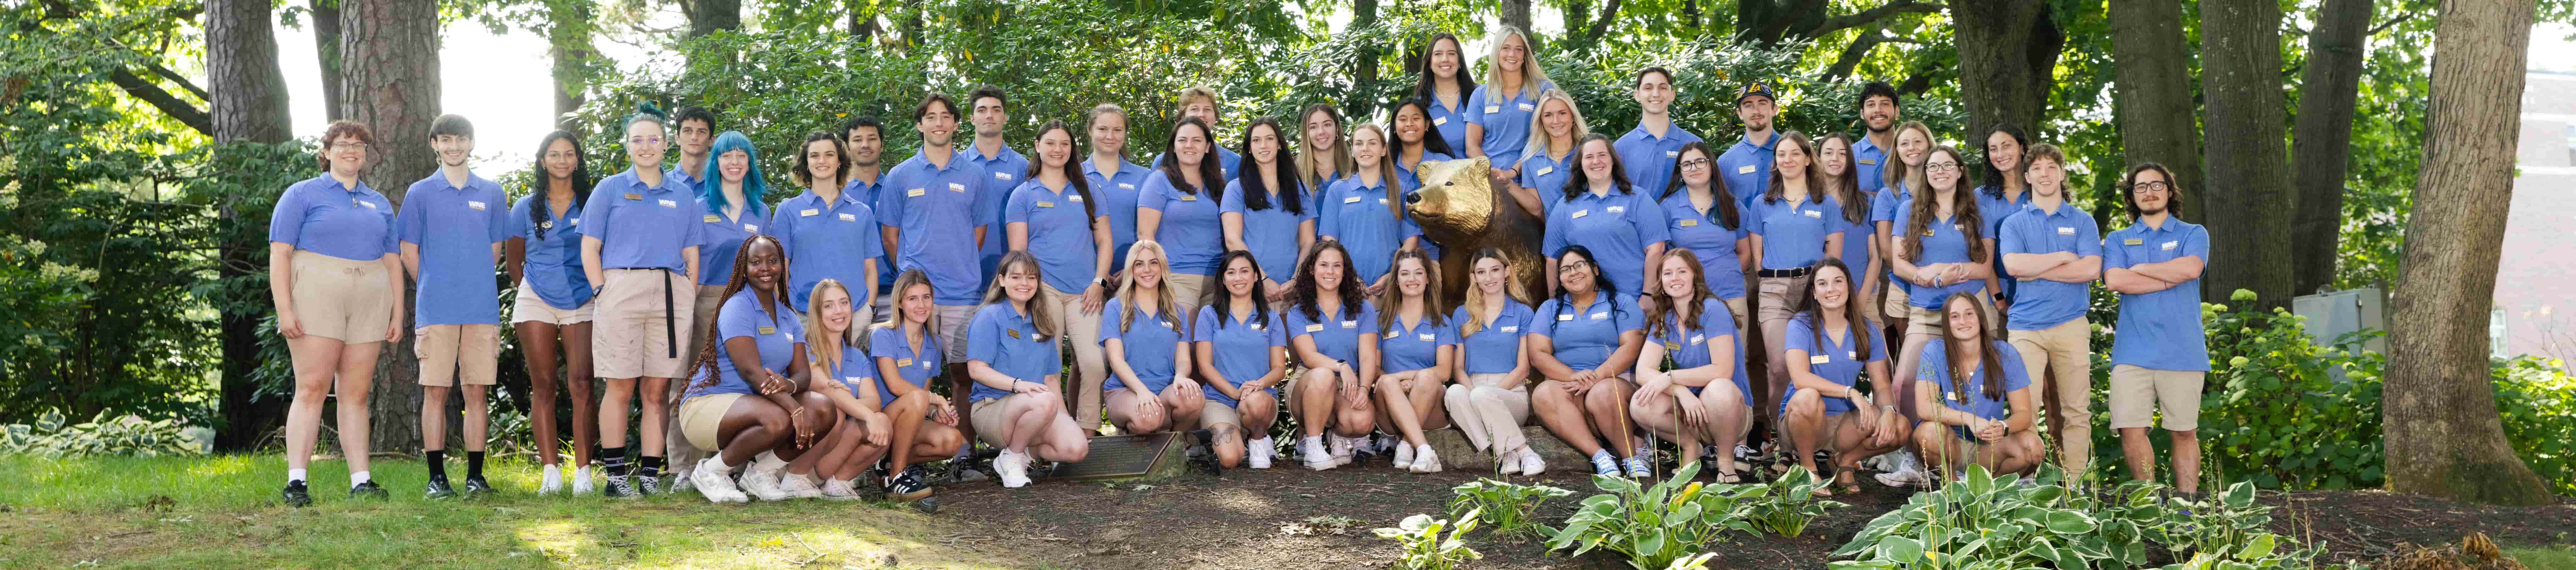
pixel 1512 289
pixel 1391 301
pixel 1807 147
pixel 1846 186
pixel 1963 210
pixel 1039 317
pixel 1986 355
pixel 1386 172
pixel 1813 311
pixel 929 330
pixel 1722 209
pixel 1664 302
pixel 1072 165
pixel 1894 171
pixel 741 259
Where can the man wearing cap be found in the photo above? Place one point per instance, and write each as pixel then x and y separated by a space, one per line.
pixel 1647 152
pixel 1747 165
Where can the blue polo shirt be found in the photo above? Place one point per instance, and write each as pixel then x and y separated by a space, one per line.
pixel 1059 233
pixel 724 237
pixel 1707 237
pixel 1002 175
pixel 776 338
pixel 1649 160
pixel 1584 336
pixel 866 192
pixel 1335 336
pixel 1239 349
pixel 1793 233
pixel 1842 363
pixel 455 229
pixel 1226 160
pixel 552 262
pixel 1690 348
pixel 643 227
pixel 855 369
pixel 936 210
pixel 1117 194
pixel 1358 215
pixel 1994 210
pixel 2042 303
pixel 887 347
pixel 1973 400
pixel 687 182
pixel 2159 330
pixel 1546 176
pixel 1496 347
pixel 1271 232
pixel 1886 206
pixel 1856 236
pixel 826 241
pixel 1505 118
pixel 1451 122
pixel 1869 163
pixel 1944 241
pixel 1008 341
pixel 1747 166
pixel 1149 344
pixel 321 216
pixel 1190 231
pixel 1616 227
pixel 1401 348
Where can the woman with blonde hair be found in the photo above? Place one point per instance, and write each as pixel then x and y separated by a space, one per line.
pixel 844 375
pixel 905 352
pixel 1145 332
pixel 1490 396
pixel 1547 159
pixel 1415 352
pixel 1498 114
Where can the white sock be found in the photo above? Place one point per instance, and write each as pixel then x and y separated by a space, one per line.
pixel 555 470
pixel 358 478
pixel 582 472
pixel 720 466
pixel 293 475
pixel 768 461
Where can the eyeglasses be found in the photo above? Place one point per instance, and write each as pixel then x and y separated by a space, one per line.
pixel 1574 266
pixel 349 145
pixel 2150 186
pixel 1695 164
pixel 644 141
pixel 1941 166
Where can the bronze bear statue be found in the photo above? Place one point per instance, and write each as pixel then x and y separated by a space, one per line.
pixel 1460 209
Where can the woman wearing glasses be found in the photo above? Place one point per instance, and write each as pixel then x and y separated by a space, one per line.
pixel 338 288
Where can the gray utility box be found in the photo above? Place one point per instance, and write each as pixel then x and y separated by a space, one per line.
pixel 2332 315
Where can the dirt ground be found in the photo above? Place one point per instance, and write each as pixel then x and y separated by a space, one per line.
pixel 1259 519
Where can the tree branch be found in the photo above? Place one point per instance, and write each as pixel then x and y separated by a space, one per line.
pixel 2392 22
pixel 161 99
pixel 1866 17
pixel 1601 24
pixel 1858 50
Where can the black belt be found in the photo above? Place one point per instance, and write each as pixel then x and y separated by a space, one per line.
pixel 670 330
pixel 1790 272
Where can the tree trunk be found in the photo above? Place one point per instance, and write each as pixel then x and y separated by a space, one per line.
pixel 392 85
pixel 2328 84
pixel 707 16
pixel 2007 54
pixel 1516 13
pixel 326 47
pixel 248 103
pixel 1365 77
pixel 2152 93
pixel 2250 203
pixel 568 30
pixel 2443 433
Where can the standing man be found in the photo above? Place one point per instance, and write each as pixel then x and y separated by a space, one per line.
pixel 1003 167
pixel 1647 152
pixel 1200 102
pixel 1747 165
pixel 452 225
pixel 865 137
pixel 2055 251
pixel 934 214
pixel 2160 355
pixel 1878 114
pixel 697 134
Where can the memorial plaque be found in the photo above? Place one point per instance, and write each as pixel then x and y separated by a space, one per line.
pixel 1125 456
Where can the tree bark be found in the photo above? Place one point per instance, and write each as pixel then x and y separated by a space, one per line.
pixel 2328 85
pixel 2151 92
pixel 2007 55
pixel 248 98
pixel 326 47
pixel 707 16
pixel 391 79
pixel 2241 74
pixel 2443 433
pixel 1516 13
pixel 568 30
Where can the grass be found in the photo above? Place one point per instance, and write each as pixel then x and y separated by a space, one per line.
pixel 2545 558
pixel 219 512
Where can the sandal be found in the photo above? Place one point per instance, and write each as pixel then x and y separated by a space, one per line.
pixel 1850 484
pixel 1730 477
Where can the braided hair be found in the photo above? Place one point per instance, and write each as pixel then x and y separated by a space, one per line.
pixel 741 259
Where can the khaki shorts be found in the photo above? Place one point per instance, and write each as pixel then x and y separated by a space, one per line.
pixel 1186 288
pixel 1218 413
pixel 987 419
pixel 2137 393
pixel 449 351
pixel 629 340
pixel 529 308
pixel 1920 320
pixel 1781 297
pixel 701 416
pixel 1897 303
pixel 345 300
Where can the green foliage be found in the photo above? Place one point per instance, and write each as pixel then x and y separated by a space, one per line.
pixel 1786 504
pixel 1426 549
pixel 2538 402
pixel 1985 522
pixel 1652 526
pixel 103 434
pixel 1510 509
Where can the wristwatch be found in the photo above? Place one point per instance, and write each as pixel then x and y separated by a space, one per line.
pixel 1103 283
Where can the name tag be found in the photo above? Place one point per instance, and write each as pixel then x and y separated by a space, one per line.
pixel 1686 222
pixel 1672 154
pixel 768 330
pixel 903 362
pixel 474 204
pixel 915 193
pixel 2065 231
pixel 546 224
pixel 2170 245
pixel 1955 396
pixel 634 196
pixel 1350 324
pixel 1543 170
pixel 1351 200
pixel 1601 315
pixel 1927 232
pixel 955 187
pixel 1001 176
pixel 1528 107
pixel 709 218
pixel 1493 108
pixel 1565 317
pixel 369 205
pixel 573 221
pixel 1126 186
pixel 751 228
pixel 1580 213
pixel 1668 345
pixel 670 204
pixel 1426 337
pixel 1046 204
pixel 2133 241
pixel 1511 328
pixel 1317 327
pixel 1390 335
pixel 1014 333
pixel 849 217
pixel 1381 201
pixel 1812 213
pixel 1076 197
pixel 1746 169
pixel 1819 359
pixel 1616 209
pixel 1865 161
pixel 809 212
pixel 1439 121
pixel 1189 197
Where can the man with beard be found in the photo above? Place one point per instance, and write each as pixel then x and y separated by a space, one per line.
pixel 452 226
pixel 865 137
pixel 1878 113
pixel 1747 165
pixel 1003 167
pixel 2161 355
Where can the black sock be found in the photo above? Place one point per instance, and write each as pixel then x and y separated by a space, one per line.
pixel 652 466
pixel 473 465
pixel 612 460
pixel 437 463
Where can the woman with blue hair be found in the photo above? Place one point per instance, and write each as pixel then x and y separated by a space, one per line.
pixel 730 210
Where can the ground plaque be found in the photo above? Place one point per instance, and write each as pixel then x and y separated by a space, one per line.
pixel 1147 456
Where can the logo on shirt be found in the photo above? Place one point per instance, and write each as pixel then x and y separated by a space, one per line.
pixel 1543 170
pixel 673 205
pixel 2065 231
pixel 751 228
pixel 2170 245
pixel 809 212
pixel 1672 154
pixel 1601 315
pixel 1528 107
pixel 1426 337
pixel 1352 324
pixel 955 187
pixel 1615 209
pixel 1001 176
pixel 574 221
pixel 1511 328
pixel 369 205
pixel 473 204
pixel 1076 197
pixel 1697 338
pixel 1812 213
pixel 849 217
pixel 1127 186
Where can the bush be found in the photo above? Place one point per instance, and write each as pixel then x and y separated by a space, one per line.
pixel 1984 522
pixel 1654 527
pixel 1786 504
pixel 104 434
pixel 1426 549
pixel 2538 402
pixel 1511 509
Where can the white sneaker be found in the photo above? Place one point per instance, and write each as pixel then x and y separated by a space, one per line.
pixel 1404 457
pixel 1341 448
pixel 553 481
pixel 1530 464
pixel 763 484
pixel 680 475
pixel 1312 450
pixel 1424 461
pixel 838 490
pixel 799 487
pixel 1510 462
pixel 581 480
pixel 1257 452
pixel 713 483
pixel 1014 467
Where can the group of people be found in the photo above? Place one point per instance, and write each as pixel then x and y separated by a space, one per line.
pixel 1900 309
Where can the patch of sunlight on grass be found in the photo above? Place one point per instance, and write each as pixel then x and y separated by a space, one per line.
pixel 559 535
pixel 222 466
pixel 2557 558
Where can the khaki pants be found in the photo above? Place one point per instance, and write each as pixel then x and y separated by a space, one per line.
pixel 1897 303
pixel 1083 333
pixel 2066 350
pixel 1186 288
pixel 347 300
pixel 1489 415
pixel 447 352
pixel 990 425
pixel 698 420
pixel 2137 393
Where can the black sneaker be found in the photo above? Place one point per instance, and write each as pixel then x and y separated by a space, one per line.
pixel 477 486
pixel 1202 453
pixel 438 488
pixel 368 490
pixel 648 483
pixel 617 487
pixel 907 486
pixel 294 495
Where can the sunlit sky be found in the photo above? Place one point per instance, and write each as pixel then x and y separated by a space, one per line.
pixel 501 81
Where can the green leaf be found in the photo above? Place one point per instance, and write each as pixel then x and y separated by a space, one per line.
pixel 2069 522
pixel 2256 549
pixel 1901 549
